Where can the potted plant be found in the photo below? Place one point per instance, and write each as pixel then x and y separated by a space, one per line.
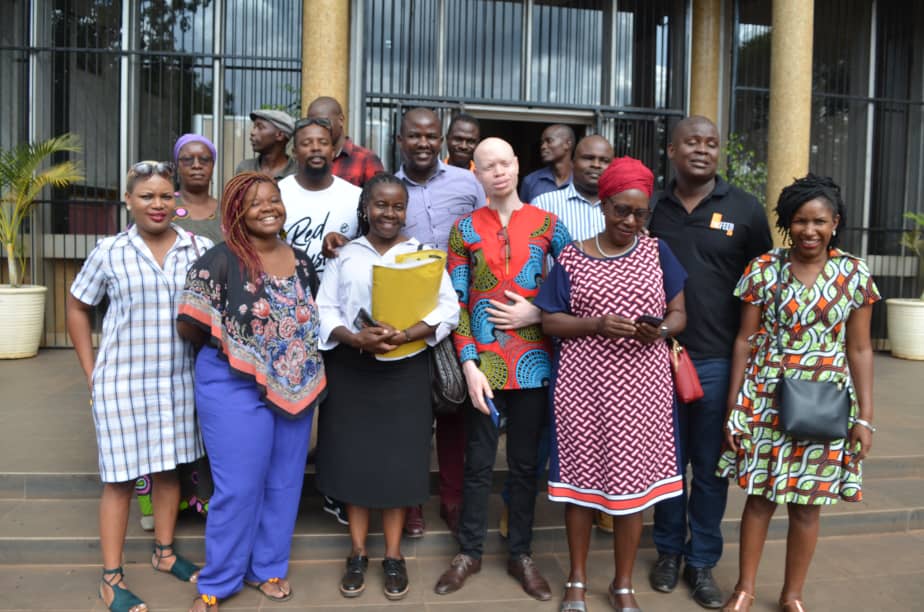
pixel 22 179
pixel 905 316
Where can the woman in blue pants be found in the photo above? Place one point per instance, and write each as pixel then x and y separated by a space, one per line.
pixel 249 304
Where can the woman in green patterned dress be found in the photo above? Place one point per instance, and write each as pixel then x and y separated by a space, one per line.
pixel 825 301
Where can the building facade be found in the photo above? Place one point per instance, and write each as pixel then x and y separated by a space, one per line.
pixel 129 76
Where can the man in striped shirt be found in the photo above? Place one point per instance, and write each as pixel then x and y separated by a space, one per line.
pixel 577 205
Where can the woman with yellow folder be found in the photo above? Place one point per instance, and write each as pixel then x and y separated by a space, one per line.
pixel 378 375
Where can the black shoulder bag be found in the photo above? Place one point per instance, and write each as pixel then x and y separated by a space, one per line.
pixel 809 409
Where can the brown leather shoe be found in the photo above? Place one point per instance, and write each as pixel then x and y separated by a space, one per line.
pixel 460 568
pixel 523 569
pixel 414 522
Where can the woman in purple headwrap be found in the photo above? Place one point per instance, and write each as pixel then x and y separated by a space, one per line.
pixel 613 299
pixel 196 209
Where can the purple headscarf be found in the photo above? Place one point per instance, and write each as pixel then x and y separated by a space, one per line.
pixel 185 139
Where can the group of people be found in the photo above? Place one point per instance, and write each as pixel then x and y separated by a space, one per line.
pixel 231 322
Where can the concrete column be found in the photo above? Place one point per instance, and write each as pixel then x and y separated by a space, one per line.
pixel 325 51
pixel 706 60
pixel 790 98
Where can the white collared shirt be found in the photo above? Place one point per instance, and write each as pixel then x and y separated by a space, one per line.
pixel 583 218
pixel 347 287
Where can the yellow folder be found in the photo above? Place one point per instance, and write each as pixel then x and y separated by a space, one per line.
pixel 405 292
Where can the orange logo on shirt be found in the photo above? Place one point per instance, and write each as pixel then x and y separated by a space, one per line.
pixel 717 223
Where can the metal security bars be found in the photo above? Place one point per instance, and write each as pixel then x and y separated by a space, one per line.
pixel 604 66
pixel 867 120
pixel 129 77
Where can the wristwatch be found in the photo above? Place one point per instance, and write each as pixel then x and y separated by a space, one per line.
pixel 663 331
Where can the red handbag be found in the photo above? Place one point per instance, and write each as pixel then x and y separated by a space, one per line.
pixel 686 381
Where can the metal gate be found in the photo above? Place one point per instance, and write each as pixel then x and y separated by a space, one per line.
pixel 130 76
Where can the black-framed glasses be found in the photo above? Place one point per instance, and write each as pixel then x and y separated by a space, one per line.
pixel 306 121
pixel 624 210
pixel 149 167
pixel 187 161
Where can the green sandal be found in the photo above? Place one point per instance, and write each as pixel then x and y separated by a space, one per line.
pixel 182 568
pixel 123 600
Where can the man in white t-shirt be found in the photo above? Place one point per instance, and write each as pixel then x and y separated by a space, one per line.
pixel 316 201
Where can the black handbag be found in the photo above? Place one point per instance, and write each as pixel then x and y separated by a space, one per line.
pixel 448 388
pixel 809 409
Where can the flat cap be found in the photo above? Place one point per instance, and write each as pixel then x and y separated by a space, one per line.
pixel 281 119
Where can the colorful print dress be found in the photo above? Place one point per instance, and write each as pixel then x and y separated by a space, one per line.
pixel 487 258
pixel 813 323
pixel 613 443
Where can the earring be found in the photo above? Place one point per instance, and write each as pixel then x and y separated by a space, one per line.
pixel 834 233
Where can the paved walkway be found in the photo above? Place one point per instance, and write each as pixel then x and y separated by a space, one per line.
pixel 45 427
pixel 856 573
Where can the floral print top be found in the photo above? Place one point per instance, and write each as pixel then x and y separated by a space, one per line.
pixel 267 330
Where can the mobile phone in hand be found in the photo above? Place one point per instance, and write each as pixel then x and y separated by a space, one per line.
pixel 650 319
pixel 364 319
pixel 495 415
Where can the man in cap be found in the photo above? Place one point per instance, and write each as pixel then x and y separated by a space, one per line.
pixel 269 136
pixel 352 163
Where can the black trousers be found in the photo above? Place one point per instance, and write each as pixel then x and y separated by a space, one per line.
pixel 526 411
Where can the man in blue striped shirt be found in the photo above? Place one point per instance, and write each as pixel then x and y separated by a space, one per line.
pixel 577 205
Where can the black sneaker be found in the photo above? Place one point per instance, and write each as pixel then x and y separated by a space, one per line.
pixel 396 584
pixel 705 590
pixel 665 573
pixel 336 509
pixel 354 580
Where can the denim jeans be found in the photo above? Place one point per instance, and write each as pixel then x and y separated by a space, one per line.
pixel 699 436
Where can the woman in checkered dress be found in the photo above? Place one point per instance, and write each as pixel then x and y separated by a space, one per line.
pixel 141 382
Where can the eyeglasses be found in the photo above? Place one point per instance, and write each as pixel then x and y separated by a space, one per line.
pixel 306 121
pixel 187 161
pixel 624 210
pixel 147 168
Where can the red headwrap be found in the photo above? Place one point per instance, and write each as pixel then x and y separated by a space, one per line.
pixel 623 174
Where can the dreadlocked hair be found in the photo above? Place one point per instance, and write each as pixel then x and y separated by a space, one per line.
pixel 381 178
pixel 803 190
pixel 233 209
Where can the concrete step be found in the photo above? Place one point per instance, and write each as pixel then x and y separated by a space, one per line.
pixel 879 572
pixel 51 531
pixel 86 485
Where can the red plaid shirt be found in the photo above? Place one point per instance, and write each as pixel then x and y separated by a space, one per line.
pixel 356 164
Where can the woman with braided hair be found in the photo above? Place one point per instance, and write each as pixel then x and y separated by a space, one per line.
pixel 806 310
pixel 249 307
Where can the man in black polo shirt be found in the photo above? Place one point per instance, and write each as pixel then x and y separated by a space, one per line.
pixel 714 229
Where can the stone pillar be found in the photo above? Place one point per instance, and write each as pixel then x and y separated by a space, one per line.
pixel 790 98
pixel 325 51
pixel 706 60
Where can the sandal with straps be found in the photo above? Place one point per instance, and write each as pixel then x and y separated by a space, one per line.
pixel 210 601
pixel 613 592
pixel 259 586
pixel 573 605
pixel 792 605
pixel 740 601
pixel 123 600
pixel 182 569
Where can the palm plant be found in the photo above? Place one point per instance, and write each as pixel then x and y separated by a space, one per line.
pixel 913 239
pixel 22 180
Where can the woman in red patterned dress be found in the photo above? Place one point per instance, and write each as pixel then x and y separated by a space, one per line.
pixel 613 443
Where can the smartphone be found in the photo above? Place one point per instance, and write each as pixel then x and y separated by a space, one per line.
pixel 495 415
pixel 364 319
pixel 650 319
